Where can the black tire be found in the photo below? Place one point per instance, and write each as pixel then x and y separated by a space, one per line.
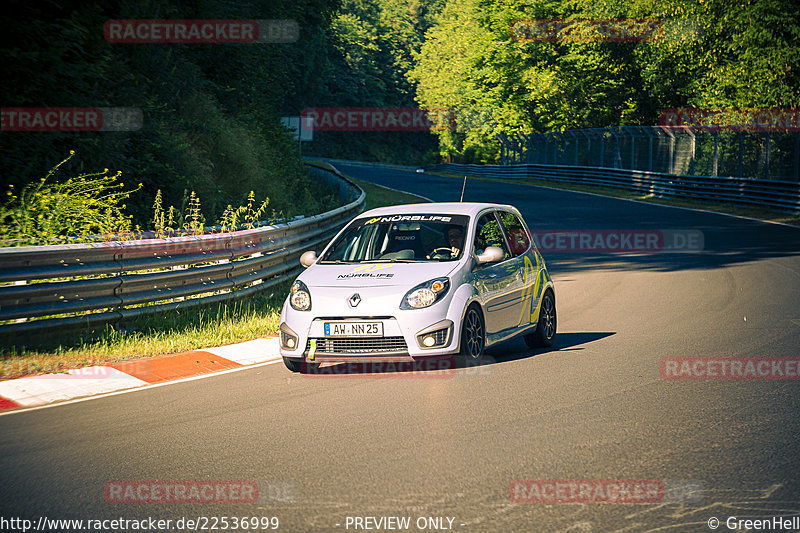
pixel 545 334
pixel 292 364
pixel 300 365
pixel 473 337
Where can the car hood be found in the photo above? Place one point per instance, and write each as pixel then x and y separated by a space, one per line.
pixel 375 274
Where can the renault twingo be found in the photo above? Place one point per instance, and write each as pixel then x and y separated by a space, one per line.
pixel 410 282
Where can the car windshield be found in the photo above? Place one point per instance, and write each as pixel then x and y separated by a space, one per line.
pixel 400 238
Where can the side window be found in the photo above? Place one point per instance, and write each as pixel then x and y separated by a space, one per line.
pixel 518 238
pixel 488 233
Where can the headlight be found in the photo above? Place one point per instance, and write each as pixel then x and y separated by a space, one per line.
pixel 425 294
pixel 299 297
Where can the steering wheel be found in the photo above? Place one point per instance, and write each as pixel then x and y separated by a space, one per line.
pixel 442 251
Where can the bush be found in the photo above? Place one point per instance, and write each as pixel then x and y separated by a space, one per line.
pixel 49 211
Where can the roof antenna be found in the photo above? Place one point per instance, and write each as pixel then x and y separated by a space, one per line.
pixel 462 189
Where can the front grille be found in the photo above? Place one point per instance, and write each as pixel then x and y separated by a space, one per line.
pixel 360 345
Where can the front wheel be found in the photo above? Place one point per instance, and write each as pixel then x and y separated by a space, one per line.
pixel 545 333
pixel 302 366
pixel 473 337
pixel 292 364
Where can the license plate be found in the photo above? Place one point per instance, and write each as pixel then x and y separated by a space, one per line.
pixel 354 329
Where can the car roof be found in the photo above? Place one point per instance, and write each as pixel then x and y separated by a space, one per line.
pixel 445 208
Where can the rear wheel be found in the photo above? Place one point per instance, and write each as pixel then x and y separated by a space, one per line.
pixel 473 336
pixel 545 333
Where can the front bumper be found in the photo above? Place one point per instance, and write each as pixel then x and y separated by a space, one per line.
pixel 408 335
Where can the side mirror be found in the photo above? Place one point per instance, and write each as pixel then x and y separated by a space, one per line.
pixel 492 254
pixel 308 258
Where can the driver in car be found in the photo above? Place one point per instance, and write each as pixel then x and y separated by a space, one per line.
pixel 455 237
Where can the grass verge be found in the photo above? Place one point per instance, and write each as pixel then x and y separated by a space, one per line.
pixel 721 207
pixel 378 196
pixel 251 317
pixel 147 336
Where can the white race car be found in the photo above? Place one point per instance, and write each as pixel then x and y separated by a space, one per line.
pixel 409 282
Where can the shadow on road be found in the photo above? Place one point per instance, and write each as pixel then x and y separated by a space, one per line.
pixel 513 350
pixel 516 349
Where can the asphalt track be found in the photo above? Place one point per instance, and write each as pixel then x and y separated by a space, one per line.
pixel 410 444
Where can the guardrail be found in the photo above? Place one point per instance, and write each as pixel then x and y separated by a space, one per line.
pixel 740 152
pixel 82 284
pixel 370 164
pixel 749 192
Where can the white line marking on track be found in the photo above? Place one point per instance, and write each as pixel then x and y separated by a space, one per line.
pixel 136 389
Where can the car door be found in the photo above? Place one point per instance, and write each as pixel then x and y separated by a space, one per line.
pixel 495 282
pixel 533 276
pixel 519 244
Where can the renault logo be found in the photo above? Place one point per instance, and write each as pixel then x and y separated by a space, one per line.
pixel 354 300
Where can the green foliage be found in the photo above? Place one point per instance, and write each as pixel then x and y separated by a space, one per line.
pixel 192 220
pixel 211 112
pixel 245 214
pixel 49 211
pixel 372 44
pixel 714 54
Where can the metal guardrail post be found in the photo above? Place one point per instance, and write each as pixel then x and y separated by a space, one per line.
pixel 691 149
pixel 617 156
pixel 633 145
pixel 503 158
pixel 528 148
pixel 561 144
pixel 715 169
pixel 541 156
pixel 575 139
pixel 649 147
pixel 740 137
pixel 671 162
pixel 767 142
pixel 518 143
pixel 797 157
pixel 546 137
pixel 602 147
pixel 588 145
